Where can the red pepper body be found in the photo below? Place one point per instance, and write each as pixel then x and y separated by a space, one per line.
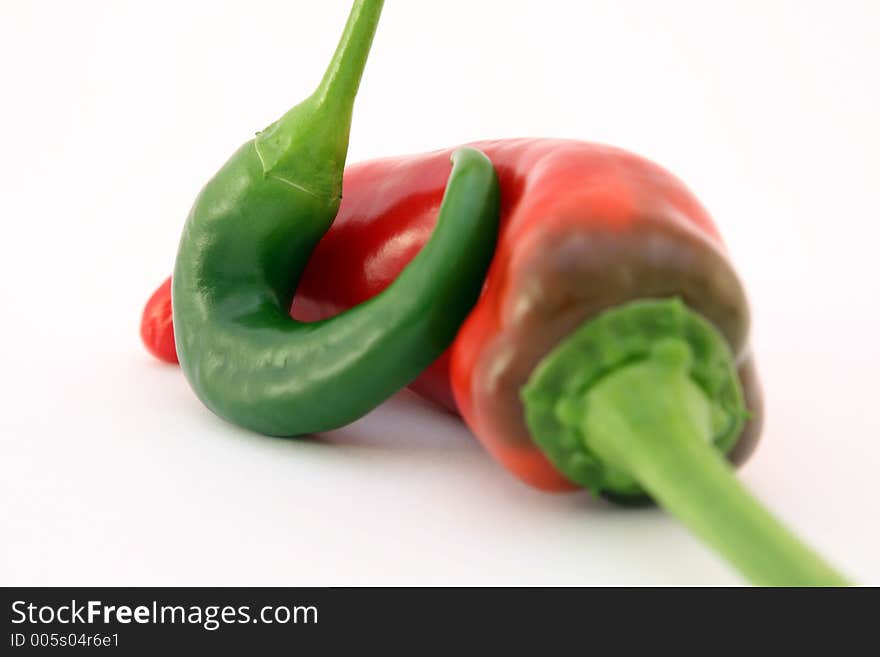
pixel 157 329
pixel 586 228
pixel 583 227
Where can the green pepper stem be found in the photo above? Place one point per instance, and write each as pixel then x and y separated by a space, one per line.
pixel 651 420
pixel 306 147
pixel 343 75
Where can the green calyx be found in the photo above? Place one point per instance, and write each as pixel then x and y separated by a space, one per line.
pixel 645 397
pixel 660 341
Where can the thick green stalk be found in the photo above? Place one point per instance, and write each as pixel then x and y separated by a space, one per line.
pixel 645 398
pixel 651 420
pixel 343 75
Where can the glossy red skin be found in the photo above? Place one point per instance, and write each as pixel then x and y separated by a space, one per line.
pixel 388 211
pixel 157 330
pixel 547 186
pixel 550 188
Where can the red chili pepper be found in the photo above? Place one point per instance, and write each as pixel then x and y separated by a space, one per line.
pixel 584 227
pixel 592 213
pixel 157 329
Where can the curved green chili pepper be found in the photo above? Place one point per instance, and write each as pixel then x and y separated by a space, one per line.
pixel 248 239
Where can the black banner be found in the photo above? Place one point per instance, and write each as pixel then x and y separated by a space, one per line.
pixel 326 621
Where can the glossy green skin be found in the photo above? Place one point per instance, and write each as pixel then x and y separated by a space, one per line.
pixel 248 236
pixel 247 241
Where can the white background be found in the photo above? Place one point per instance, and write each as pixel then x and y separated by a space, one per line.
pixel 115 113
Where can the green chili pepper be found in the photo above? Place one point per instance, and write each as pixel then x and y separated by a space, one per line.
pixel 248 239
